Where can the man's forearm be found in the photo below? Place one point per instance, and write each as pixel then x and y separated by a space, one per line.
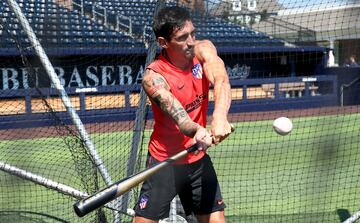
pixel 222 90
pixel 169 104
pixel 222 97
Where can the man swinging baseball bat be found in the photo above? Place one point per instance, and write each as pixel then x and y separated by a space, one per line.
pixel 178 83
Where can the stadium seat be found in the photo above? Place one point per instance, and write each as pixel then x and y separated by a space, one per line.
pixel 67 23
pixel 58 27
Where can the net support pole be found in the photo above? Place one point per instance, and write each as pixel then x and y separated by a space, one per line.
pixel 90 147
pixel 50 184
pixel 140 116
pixel 61 91
pixel 353 218
pixel 62 188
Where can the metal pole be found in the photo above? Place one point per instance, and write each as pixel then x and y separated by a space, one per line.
pixel 57 84
pixel 50 184
pixel 353 218
pixel 140 116
pixel 62 93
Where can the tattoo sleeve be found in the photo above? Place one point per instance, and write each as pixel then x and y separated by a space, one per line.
pixel 158 91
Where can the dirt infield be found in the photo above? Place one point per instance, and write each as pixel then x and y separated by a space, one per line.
pixel 29 133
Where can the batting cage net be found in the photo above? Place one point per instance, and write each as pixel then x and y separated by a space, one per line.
pixel 74 118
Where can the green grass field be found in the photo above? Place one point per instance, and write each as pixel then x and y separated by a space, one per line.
pixel 310 175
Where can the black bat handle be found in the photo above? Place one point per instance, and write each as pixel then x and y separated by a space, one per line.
pixel 87 205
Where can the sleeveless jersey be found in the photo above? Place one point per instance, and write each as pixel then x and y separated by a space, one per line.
pixel 191 88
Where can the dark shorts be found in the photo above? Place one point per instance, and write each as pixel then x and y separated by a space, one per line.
pixel 196 184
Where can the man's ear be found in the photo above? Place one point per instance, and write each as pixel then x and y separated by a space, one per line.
pixel 162 42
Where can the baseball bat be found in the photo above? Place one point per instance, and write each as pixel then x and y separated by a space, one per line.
pixel 119 188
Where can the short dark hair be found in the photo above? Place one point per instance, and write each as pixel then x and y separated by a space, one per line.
pixel 169 19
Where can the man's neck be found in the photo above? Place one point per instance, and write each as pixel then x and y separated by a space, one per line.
pixel 183 65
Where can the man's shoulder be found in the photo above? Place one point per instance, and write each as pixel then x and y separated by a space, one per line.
pixel 203 42
pixel 155 64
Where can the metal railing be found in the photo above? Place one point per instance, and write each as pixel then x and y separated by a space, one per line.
pixel 121 22
pixel 327 93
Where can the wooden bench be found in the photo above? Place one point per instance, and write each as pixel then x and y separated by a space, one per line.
pixel 291 89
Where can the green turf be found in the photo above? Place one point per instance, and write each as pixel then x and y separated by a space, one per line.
pixel 306 176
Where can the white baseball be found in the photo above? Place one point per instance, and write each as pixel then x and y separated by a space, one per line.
pixel 282 126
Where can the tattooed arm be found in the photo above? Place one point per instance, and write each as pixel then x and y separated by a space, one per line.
pixel 159 93
pixel 215 71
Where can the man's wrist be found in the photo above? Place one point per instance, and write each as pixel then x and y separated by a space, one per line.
pixel 190 129
pixel 219 115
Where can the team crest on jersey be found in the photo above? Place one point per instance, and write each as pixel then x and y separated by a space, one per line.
pixel 197 71
pixel 143 202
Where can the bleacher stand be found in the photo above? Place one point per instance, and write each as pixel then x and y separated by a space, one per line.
pixel 221 32
pixel 60 27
